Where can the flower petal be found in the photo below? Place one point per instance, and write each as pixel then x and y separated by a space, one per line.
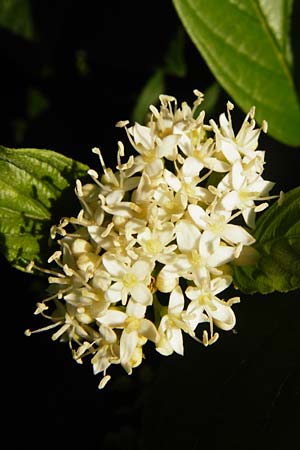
pixel 174 336
pixel 222 314
pixel 191 167
pixel 199 216
pixel 113 266
pixel 142 269
pixel 128 343
pixel 112 318
pixel 148 330
pixel 114 292
pixel 187 236
pixel 236 234
pixel 140 293
pixel 176 301
pixel 135 309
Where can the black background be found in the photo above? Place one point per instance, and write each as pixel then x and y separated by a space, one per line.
pixel 241 393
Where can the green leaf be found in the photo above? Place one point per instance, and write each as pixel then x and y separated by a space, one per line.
pixel 245 43
pixel 36 190
pixel 175 64
pixel 16 16
pixel 149 96
pixel 278 244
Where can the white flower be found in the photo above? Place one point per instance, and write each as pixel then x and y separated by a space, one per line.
pixel 151 150
pixel 171 205
pixel 161 221
pixel 172 324
pixel 136 331
pixel 128 280
pixel 199 255
pixel 245 193
pixel 203 299
pixel 244 143
pixel 154 243
pixel 215 225
pixel 201 157
pixel 188 186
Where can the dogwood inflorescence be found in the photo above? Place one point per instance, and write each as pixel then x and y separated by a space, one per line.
pixel 149 253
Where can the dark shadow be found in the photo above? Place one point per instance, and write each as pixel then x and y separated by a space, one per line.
pixel 295 44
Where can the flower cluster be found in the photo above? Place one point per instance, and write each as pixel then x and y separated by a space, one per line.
pixel 148 254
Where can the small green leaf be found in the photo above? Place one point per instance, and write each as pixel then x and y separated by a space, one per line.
pixel 16 16
pixel 36 190
pixel 246 45
pixel 278 242
pixel 175 64
pixel 149 96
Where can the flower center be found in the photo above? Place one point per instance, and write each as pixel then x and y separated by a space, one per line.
pixel 150 156
pixel 204 298
pixel 153 246
pixel 217 226
pixel 129 280
pixel 195 259
pixel 132 324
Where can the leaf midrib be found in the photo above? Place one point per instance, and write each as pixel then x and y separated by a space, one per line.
pixel 278 51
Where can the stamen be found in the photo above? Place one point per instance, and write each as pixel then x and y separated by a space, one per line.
pixel 55 257
pixel 104 381
pixel 97 151
pixel 29 332
pixel 122 123
pixel 264 126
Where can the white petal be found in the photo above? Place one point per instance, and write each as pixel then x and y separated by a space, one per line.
pixel 236 234
pixel 230 201
pixel 113 266
pixel 154 168
pixel 261 186
pixel 112 318
pixel 114 292
pixel 166 281
pixel 222 314
pixel 163 346
pixel 166 233
pixel 219 284
pixel 194 315
pixel 176 301
pixel 249 216
pixel 142 135
pixel 228 148
pixel 222 255
pixel 115 196
pixel 199 216
pixel 141 294
pixel 191 167
pixel 172 180
pixel 128 343
pixel 187 236
pixel 237 176
pixel 174 336
pixel 193 293
pixel 108 334
pixel 217 165
pixel 168 147
pixel 135 309
pixel 142 269
pixel 148 330
pixel 226 126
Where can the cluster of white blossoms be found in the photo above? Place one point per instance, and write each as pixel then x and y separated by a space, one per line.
pixel 148 254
